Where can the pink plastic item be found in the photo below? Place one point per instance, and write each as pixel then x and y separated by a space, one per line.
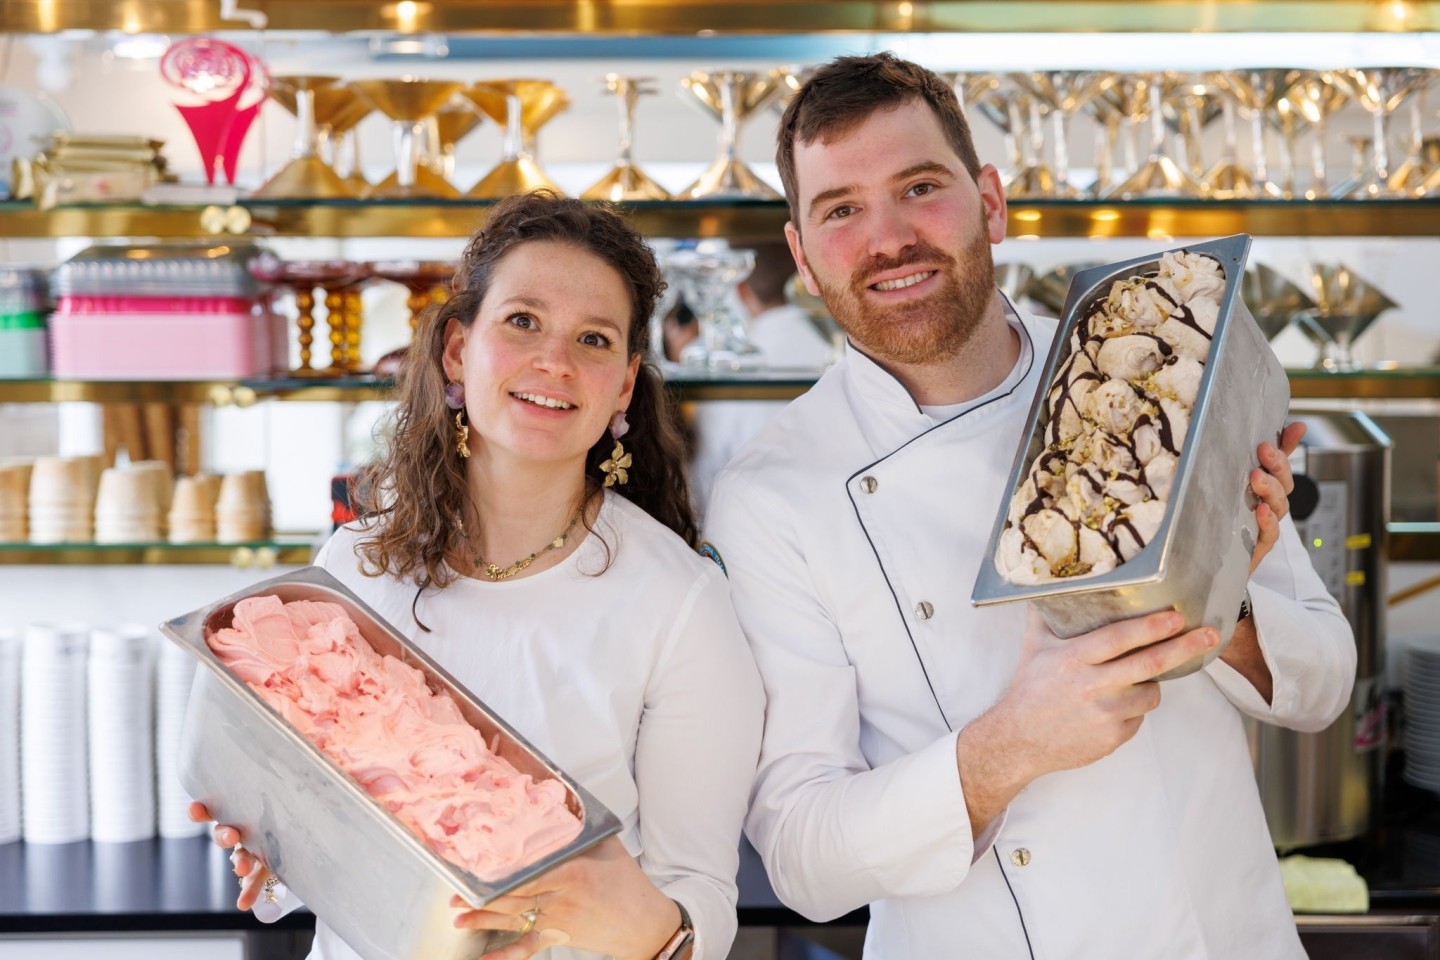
pixel 231 341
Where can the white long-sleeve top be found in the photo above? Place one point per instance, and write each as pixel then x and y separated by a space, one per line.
pixel 852 529
pixel 637 683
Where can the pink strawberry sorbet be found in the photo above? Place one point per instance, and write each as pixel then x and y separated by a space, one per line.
pixel 408 746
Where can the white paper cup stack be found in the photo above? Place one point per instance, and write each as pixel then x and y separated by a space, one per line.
pixel 53 769
pixel 174 675
pixel 61 500
pixel 14 502
pixel 1422 713
pixel 162 482
pixel 9 735
pixel 127 507
pixel 242 512
pixel 192 511
pixel 122 736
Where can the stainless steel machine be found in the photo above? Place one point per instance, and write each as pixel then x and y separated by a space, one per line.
pixel 1322 787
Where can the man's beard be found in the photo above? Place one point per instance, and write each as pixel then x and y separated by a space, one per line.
pixel 922 331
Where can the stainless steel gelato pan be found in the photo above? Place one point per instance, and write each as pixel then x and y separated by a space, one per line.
pixel 353 863
pixel 1198 560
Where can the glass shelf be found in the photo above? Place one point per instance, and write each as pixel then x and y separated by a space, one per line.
pixel 741 220
pixel 1400 383
pixel 1408 541
pixel 288 549
pixel 689 17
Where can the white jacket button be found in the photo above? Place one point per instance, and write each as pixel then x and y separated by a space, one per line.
pixel 868 484
pixel 1020 857
pixel 923 610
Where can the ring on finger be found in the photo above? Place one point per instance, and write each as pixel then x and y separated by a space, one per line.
pixel 531 917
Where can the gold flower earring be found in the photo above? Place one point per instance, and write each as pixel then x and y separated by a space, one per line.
pixel 455 400
pixel 615 469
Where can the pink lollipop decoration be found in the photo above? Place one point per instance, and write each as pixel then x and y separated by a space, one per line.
pixel 220 73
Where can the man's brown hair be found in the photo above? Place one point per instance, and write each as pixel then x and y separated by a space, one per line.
pixel 842 94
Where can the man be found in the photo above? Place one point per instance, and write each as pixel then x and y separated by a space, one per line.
pixel 786 338
pixel 991 791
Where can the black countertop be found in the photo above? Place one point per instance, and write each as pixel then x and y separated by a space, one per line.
pixel 187 885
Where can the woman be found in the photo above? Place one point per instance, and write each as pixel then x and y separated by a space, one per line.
pixel 540 548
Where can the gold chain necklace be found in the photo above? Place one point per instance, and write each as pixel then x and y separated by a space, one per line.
pixel 495 572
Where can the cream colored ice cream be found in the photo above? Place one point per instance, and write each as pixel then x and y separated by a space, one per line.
pixel 1118 411
pixel 408 746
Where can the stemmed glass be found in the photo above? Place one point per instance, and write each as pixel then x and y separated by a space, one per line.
pixel 338 110
pixel 1143 98
pixel 1345 306
pixel 1009 107
pixel 1193 107
pixel 626 181
pixel 707 280
pixel 731 96
pixel 1408 180
pixel 427 281
pixel 334 278
pixel 452 123
pixel 1316 95
pixel 1229 179
pixel 1256 92
pixel 522 107
pixel 1061 93
pixel 1273 300
pixel 409 103
pixel 1104 109
pixel 1380 90
pixel 306 174
pixel 792 78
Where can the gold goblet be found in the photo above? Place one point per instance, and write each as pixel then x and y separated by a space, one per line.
pixel 306 174
pixel 451 125
pixel 428 282
pixel 409 103
pixel 626 181
pixel 336 279
pixel 731 96
pixel 522 107
pixel 338 110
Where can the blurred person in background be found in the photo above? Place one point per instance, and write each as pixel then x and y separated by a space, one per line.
pixel 786 337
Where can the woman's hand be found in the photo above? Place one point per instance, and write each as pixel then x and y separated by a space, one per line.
pixel 252 872
pixel 600 901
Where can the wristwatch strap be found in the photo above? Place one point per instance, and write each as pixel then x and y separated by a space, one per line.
pixel 682 943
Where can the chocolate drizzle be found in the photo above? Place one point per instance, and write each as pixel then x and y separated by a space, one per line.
pixel 1096 504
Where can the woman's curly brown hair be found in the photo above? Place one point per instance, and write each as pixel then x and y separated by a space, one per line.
pixel 417 491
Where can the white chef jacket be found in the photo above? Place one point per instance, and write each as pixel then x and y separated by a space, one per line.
pixel 637 683
pixel 852 529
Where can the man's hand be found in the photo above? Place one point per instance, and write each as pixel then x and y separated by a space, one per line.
pixel 1272 482
pixel 1069 703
